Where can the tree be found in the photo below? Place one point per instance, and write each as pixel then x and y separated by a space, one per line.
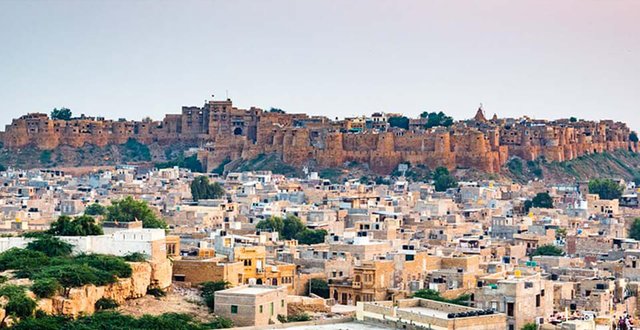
pixel 202 189
pixel 61 114
pixel 443 180
pixel 633 136
pixel 399 121
pixel 273 224
pixel 319 287
pixel 309 236
pixel 276 110
pixel 106 303
pixel 635 229
pixel 83 225
pixel 20 307
pixel 135 151
pixel 95 209
pixel 191 163
pixel 46 287
pixel 292 226
pixel 548 250
pixel 573 119
pixel 436 119
pixel 129 209
pixel 605 188
pixel 208 290
pixel 542 200
pixel 530 326
pixel 51 246
pixel 2 168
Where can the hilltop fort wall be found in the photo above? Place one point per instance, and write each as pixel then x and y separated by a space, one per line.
pixel 229 133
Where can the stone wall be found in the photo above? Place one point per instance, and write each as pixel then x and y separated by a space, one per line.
pixel 231 133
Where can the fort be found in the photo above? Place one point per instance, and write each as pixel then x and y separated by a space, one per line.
pixel 225 132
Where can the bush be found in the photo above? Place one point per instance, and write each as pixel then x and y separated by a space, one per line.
pixel 21 307
pixel 46 287
pixel 50 246
pixel 548 250
pixel 310 236
pixel 135 257
pixel 634 232
pixel 18 259
pixel 302 317
pixel 110 264
pixel 106 303
pixel 399 121
pixel 136 151
pixel 443 180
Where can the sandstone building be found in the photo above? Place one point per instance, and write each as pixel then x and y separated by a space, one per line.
pixel 228 133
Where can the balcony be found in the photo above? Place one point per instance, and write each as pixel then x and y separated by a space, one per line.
pixel 357 285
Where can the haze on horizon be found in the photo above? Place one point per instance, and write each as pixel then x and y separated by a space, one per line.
pixel 132 59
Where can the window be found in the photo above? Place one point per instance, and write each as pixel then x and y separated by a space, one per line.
pixel 234 309
pixel 510 309
pixel 282 303
pixel 260 309
pixel 537 300
pixel 271 308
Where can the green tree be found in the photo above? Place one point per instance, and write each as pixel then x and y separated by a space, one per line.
pixel 530 326
pixel 436 119
pixel 633 136
pixel 136 151
pixel 2 168
pixel 202 189
pixel 309 236
pixel 515 165
pixel 95 209
pixel 129 209
pixel 61 114
pixel 443 180
pixel 20 307
pixel 399 121
pixel 273 224
pixel 573 119
pixel 46 287
pixel 191 163
pixel 548 250
pixel 542 200
pixel 634 232
pixel 208 290
pixel 276 110
pixel 292 226
pixel 605 188
pixel 319 287
pixel 45 156
pixel 83 225
pixel 51 246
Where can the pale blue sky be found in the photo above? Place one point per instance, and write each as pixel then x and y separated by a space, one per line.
pixel 544 58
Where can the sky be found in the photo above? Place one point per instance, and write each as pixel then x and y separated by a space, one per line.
pixel 133 58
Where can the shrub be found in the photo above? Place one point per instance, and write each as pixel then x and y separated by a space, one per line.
pixel 95 209
pixel 111 264
pixel 83 225
pixel 46 287
pixel 548 250
pixel 18 259
pixel 21 307
pixel 106 303
pixel 135 257
pixel 50 246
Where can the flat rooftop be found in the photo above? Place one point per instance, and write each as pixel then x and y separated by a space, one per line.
pixel 250 290
pixel 425 311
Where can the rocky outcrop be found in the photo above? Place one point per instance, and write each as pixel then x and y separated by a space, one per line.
pixel 82 300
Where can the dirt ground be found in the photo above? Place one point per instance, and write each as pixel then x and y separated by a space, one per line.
pixel 177 300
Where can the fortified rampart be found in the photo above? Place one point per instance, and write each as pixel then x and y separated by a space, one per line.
pixel 229 133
